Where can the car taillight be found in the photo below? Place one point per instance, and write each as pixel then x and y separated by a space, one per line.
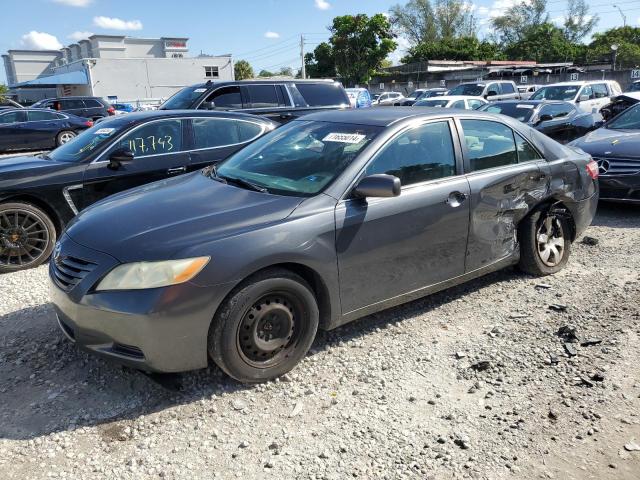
pixel 89 123
pixel 592 169
pixel 111 111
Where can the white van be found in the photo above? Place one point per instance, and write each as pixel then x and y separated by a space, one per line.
pixel 588 96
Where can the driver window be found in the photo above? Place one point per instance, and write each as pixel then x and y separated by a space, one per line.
pixel 587 91
pixel 226 98
pixel 420 154
pixel 154 138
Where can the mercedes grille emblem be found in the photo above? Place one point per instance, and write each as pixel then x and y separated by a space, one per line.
pixel 603 166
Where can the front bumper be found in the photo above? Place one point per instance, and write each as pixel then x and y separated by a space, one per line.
pixel 620 188
pixel 158 330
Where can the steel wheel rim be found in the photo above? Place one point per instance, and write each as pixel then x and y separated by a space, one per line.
pixel 66 137
pixel 270 330
pixel 550 241
pixel 23 238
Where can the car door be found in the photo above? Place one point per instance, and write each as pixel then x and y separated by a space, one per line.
pixel 389 247
pixel 223 98
pixel 492 88
pixel 267 100
pixel 11 133
pixel 600 95
pixel 160 149
pixel 586 99
pixel 41 128
pixel 214 139
pixel 559 127
pixel 506 177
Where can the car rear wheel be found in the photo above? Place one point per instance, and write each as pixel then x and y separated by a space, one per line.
pixel 545 244
pixel 265 327
pixel 27 236
pixel 64 137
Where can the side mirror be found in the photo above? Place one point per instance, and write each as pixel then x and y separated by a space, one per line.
pixel 380 185
pixel 491 93
pixel 210 105
pixel 120 156
pixel 545 118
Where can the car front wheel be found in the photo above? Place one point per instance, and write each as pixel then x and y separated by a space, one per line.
pixel 27 236
pixel 545 243
pixel 64 137
pixel 265 327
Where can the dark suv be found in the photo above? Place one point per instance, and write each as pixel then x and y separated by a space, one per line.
pixel 279 100
pixel 86 107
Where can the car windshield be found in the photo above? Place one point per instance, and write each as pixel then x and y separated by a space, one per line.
pixel 299 159
pixel 414 95
pixel 79 149
pixel 627 120
pixel 432 103
pixel 635 87
pixel 473 89
pixel 559 92
pixel 519 111
pixel 183 98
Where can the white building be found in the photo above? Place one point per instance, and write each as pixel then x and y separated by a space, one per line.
pixel 112 66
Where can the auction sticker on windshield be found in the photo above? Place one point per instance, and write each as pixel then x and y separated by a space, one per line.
pixel 344 137
pixel 524 105
pixel 104 131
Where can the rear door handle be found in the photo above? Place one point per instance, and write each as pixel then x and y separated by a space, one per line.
pixel 456 199
pixel 172 171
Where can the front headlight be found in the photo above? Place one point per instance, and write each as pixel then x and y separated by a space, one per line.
pixel 140 275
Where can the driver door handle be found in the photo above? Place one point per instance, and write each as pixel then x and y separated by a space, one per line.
pixel 172 171
pixel 456 199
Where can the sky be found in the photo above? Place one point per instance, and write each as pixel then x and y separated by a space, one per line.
pixel 264 32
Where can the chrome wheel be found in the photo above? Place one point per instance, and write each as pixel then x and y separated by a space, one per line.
pixel 65 137
pixel 550 241
pixel 24 238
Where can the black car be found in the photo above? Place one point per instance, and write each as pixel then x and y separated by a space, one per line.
pixel 562 121
pixel 37 128
pixel 88 107
pixel 278 100
pixel 324 220
pixel 421 95
pixel 616 148
pixel 39 195
pixel 619 104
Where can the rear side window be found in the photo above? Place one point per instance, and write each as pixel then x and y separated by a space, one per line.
pixel 420 154
pixel 71 104
pixel 226 98
pixel 154 138
pixel 264 96
pixel 34 115
pixel 248 130
pixel 489 144
pixel 507 88
pixel 214 132
pixel 526 152
pixel 458 104
pixel 12 117
pixel 322 94
pixel 91 103
pixel 600 90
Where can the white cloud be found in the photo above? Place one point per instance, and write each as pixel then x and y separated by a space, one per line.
pixel 77 36
pixel 322 4
pixel 499 7
pixel 400 51
pixel 117 24
pixel 271 35
pixel 483 10
pixel 40 41
pixel 74 3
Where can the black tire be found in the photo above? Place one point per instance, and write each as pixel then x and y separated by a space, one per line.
pixel 536 243
pixel 27 236
pixel 264 327
pixel 65 136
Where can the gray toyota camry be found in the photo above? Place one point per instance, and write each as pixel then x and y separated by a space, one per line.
pixel 324 220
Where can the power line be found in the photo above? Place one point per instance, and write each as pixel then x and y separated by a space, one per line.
pixel 267 47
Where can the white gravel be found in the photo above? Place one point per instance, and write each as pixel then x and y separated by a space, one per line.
pixel 395 395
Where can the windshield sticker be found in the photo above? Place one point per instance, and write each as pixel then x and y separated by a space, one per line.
pixel 104 131
pixel 524 106
pixel 344 137
pixel 200 90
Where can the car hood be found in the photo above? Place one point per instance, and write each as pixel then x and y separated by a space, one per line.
pixel 26 162
pixel 158 220
pixel 616 143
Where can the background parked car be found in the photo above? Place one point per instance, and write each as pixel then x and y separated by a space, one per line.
pixel 526 91
pixel 8 104
pixel 387 99
pixel 410 99
pixel 619 104
pixel 433 92
pixel 86 107
pixel 31 128
pixel 589 96
pixel 634 87
pixel 562 121
pixel 616 148
pixel 278 100
pixel 359 97
pixel 452 101
pixel 123 107
pixel 490 90
pixel 39 195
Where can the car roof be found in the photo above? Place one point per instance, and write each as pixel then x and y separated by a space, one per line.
pixel 259 82
pixel 153 114
pixel 383 117
pixel 534 102
pixel 454 98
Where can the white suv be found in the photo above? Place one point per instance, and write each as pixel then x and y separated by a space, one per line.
pixel 588 96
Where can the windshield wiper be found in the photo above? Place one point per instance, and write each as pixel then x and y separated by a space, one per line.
pixel 45 156
pixel 243 183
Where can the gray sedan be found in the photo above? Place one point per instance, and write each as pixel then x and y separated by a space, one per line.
pixel 327 219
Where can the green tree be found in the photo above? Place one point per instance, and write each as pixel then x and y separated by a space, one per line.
pixel 266 73
pixel 578 23
pixel 320 63
pixel 626 38
pixel 360 43
pixel 543 43
pixel 519 19
pixel 3 91
pixel 463 48
pixel 243 70
pixel 286 72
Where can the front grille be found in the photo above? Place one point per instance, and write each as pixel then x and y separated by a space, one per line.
pixel 618 166
pixel 69 271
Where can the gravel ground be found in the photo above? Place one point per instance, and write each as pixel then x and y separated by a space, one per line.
pixel 479 381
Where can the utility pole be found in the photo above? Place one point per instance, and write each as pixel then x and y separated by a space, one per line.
pixel 303 71
pixel 624 17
